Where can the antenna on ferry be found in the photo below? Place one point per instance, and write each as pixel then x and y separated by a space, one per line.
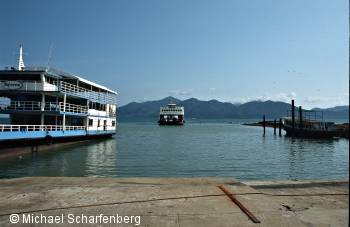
pixel 20 58
pixel 49 58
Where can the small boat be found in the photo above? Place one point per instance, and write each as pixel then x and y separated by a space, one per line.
pixel 309 128
pixel 311 124
pixel 171 115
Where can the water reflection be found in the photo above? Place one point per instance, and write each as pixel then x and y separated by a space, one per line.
pixel 101 155
pixel 308 158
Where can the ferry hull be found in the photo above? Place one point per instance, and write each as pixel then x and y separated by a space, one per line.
pixel 36 146
pixel 11 139
pixel 171 122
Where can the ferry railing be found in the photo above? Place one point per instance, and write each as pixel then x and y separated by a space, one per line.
pixel 311 119
pixel 75 90
pixel 111 114
pixel 19 128
pixel 49 106
pixel 102 113
pixel 311 115
pixel 72 89
pixel 24 105
pixel 72 108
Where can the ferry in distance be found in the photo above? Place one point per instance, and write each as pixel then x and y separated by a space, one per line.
pixel 46 106
pixel 171 115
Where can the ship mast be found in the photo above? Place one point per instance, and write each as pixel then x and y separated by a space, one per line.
pixel 20 58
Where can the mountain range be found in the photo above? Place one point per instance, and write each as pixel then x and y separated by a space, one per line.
pixel 214 109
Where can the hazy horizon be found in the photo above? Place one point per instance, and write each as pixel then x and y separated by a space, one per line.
pixel 230 50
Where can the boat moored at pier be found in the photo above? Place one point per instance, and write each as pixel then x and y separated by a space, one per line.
pixel 48 105
pixel 309 124
pixel 309 128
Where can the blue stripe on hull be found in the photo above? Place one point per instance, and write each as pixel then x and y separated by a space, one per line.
pixel 22 135
pixel 55 134
pixel 15 135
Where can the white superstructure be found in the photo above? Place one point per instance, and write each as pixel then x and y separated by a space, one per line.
pixel 53 103
pixel 171 114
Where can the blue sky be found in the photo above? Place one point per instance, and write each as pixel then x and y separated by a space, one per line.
pixel 234 50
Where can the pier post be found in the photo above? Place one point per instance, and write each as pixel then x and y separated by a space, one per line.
pixel 87 118
pixel 56 109
pixel 42 105
pixel 274 127
pixel 280 127
pixel 264 123
pixel 64 112
pixel 300 117
pixel 42 108
pixel 293 118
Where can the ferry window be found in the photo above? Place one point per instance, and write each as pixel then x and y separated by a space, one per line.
pixel 98 123
pixel 113 123
pixel 91 122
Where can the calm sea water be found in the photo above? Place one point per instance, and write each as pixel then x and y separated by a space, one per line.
pixel 196 149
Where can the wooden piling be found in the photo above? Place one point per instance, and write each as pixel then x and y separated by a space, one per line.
pixel 280 127
pixel 274 127
pixel 264 123
pixel 300 117
pixel 293 118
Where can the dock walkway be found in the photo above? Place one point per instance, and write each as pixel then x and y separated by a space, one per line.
pixel 178 201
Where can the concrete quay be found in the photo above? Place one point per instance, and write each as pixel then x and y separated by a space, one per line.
pixel 174 201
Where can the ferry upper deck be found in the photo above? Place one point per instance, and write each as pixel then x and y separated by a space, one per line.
pixel 41 79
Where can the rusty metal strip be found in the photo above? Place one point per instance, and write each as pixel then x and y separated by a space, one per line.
pixel 239 204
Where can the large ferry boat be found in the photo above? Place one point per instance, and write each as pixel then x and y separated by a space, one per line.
pixel 45 105
pixel 171 115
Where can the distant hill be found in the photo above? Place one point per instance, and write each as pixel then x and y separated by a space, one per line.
pixel 334 109
pixel 195 108
pixel 335 112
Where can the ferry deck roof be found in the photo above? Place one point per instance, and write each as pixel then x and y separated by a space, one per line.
pixel 61 75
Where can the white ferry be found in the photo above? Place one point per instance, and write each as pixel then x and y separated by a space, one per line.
pixel 171 115
pixel 46 105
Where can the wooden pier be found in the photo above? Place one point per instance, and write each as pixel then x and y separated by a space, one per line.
pixel 301 126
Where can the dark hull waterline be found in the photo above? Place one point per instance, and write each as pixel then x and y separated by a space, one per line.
pixel 306 133
pixel 171 122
